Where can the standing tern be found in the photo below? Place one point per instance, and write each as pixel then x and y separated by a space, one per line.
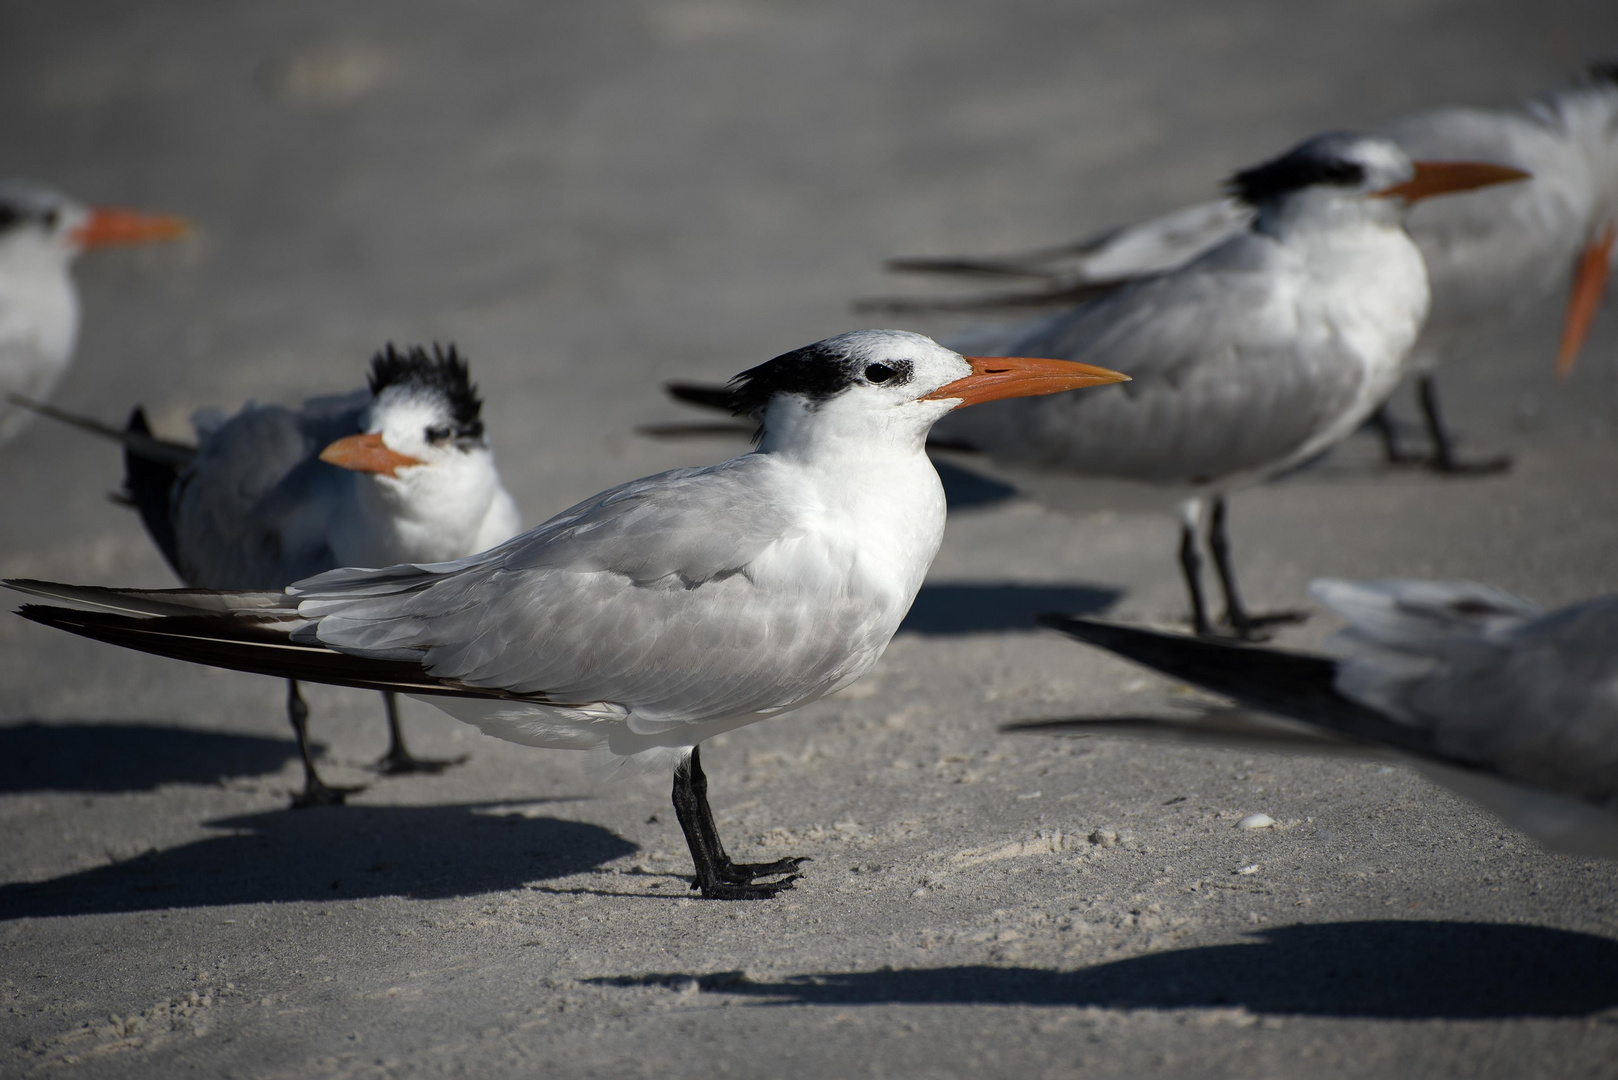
pixel 258 503
pixel 656 614
pixel 1481 690
pixel 41 233
pixel 1256 356
pixel 1492 258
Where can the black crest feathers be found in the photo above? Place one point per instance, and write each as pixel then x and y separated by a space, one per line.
pixel 816 371
pixel 442 372
pixel 1604 71
pixel 1290 172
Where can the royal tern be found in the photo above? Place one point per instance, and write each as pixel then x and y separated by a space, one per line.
pixel 41 233
pixel 257 504
pixel 1481 690
pixel 1492 258
pixel 657 614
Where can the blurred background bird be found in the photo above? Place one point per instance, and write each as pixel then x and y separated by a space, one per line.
pixel 1494 258
pixel 1482 691
pixel 41 233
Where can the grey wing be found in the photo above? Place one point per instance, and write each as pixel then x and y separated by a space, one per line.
pixel 1221 381
pixel 1541 707
pixel 255 508
pixel 1163 243
pixel 663 597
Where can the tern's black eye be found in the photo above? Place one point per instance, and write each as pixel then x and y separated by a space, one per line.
pixel 51 217
pixel 879 373
pixel 439 434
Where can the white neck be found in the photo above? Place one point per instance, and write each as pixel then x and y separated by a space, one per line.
pixel 432 513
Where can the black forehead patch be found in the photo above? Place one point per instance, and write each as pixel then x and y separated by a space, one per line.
pixel 442 373
pixel 1293 172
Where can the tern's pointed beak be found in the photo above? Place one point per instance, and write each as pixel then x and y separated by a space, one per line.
pixel 1446 177
pixel 996 377
pixel 367 454
pixel 1589 282
pixel 109 226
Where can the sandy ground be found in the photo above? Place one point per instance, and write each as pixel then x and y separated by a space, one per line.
pixel 593 197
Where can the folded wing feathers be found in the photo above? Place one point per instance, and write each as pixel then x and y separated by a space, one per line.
pixel 258 645
pixel 149 602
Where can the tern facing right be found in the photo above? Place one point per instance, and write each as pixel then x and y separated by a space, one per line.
pixel 657 614
pixel 1252 358
pixel 1510 706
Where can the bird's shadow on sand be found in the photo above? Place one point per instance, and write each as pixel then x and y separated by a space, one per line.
pixel 76 756
pixel 1380 969
pixel 979 607
pixel 329 854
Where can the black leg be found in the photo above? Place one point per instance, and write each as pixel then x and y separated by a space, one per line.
pixel 399 761
pixel 315 792
pixel 1191 567
pixel 1388 431
pixel 1245 626
pixel 1444 459
pixel 717 876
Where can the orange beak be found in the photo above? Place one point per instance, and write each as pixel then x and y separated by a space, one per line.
pixel 1589 282
pixel 996 377
pixel 367 454
pixel 1446 177
pixel 109 227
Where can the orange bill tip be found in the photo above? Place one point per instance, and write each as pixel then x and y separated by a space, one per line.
pixel 1589 283
pixel 109 226
pixel 1448 177
pixel 367 454
pixel 997 377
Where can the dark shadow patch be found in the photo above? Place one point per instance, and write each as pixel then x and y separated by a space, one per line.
pixel 967 490
pixel 1377 969
pixel 129 757
pixel 974 607
pixel 330 853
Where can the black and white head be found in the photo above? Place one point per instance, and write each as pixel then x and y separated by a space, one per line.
pixel 425 416
pixel 41 225
pixel 888 386
pixel 1356 174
